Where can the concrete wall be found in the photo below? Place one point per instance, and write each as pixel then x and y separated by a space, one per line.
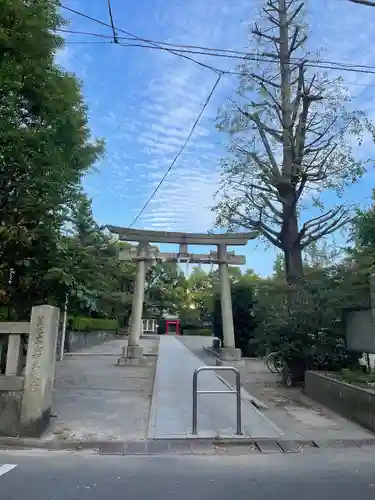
pixel 352 402
pixel 76 340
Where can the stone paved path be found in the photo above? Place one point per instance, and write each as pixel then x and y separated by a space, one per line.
pixel 297 416
pixel 95 400
pixel 171 409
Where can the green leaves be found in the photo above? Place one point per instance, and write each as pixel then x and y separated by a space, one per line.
pixel 45 149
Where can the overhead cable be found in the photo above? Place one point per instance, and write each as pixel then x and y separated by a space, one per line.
pixel 179 152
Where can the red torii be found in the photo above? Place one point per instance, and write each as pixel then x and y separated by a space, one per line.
pixel 175 322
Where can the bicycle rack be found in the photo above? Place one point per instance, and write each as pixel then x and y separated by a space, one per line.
pixel 196 392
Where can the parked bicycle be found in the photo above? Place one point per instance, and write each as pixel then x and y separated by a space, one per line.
pixel 274 362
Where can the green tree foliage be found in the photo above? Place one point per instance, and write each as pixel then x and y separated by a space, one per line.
pixel 87 268
pixel 166 288
pixel 200 286
pixel 45 147
pixel 364 232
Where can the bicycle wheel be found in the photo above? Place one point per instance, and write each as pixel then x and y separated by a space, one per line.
pixel 270 362
pixel 278 362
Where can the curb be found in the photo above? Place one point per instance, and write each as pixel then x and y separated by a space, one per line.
pixel 185 446
pixel 211 350
pixel 245 395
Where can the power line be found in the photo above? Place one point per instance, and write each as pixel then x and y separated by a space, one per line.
pixel 87 42
pixel 232 54
pixel 135 37
pixel 180 51
pixel 364 2
pixel 323 64
pixel 179 152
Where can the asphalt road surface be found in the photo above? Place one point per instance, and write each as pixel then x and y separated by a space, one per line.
pixel 323 475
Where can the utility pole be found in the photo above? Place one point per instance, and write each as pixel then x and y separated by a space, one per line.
pixel 63 330
pixel 370 3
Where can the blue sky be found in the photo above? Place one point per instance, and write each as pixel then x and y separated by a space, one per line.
pixel 144 102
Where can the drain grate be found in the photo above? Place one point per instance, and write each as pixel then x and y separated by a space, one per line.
pixel 268 446
pixel 158 447
pixel 136 448
pixel 365 442
pixel 180 447
pixel 208 447
pixel 336 443
pixel 290 446
pixel 112 449
pixel 201 445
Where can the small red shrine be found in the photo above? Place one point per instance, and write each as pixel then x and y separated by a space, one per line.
pixel 173 322
pixel 172 325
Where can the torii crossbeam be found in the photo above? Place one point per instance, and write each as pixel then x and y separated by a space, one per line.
pixel 145 253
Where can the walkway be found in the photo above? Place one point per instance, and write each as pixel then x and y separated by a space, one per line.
pixel 95 400
pixel 171 408
pixel 297 416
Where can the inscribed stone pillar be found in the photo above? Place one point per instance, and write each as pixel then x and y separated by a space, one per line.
pixel 39 370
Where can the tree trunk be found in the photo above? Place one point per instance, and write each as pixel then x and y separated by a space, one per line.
pixel 291 245
pixel 293 259
pixel 293 266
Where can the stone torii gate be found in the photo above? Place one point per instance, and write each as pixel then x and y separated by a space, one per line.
pixel 145 254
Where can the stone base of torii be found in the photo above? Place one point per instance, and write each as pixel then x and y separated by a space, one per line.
pixel 145 254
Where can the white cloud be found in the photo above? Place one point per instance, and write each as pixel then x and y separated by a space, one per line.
pixel 175 96
pixel 148 123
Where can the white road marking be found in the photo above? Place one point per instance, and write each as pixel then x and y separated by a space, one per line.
pixel 6 468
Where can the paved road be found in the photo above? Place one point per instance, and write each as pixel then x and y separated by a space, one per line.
pixel 347 475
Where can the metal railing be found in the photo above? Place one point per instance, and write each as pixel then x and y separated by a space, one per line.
pixel 196 392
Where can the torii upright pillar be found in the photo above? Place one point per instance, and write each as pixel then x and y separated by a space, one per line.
pixel 134 350
pixel 229 351
pixel 145 253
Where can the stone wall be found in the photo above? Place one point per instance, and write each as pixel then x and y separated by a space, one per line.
pixel 11 393
pixel 354 403
pixel 76 340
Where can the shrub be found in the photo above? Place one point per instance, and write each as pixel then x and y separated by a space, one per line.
pixel 205 332
pixel 161 326
pixel 87 324
pixel 190 319
pixel 306 345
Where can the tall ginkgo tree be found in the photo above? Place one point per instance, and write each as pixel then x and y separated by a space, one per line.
pixel 291 139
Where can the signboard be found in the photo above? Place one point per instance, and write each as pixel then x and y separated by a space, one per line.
pixel 359 330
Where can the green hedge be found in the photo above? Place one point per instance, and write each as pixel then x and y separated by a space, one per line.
pixel 205 332
pixel 92 324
